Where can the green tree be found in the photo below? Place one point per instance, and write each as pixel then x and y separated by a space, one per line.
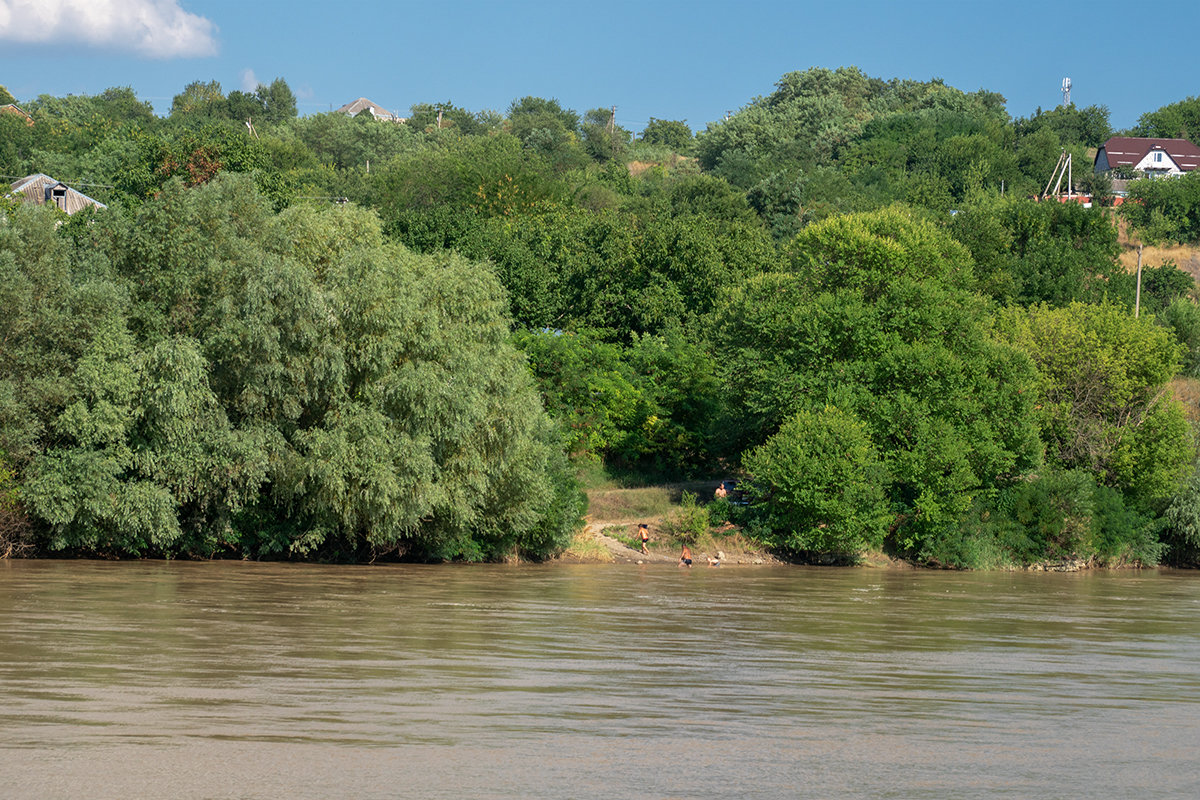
pixel 819 484
pixel 278 101
pixel 1103 401
pixel 1183 522
pixel 671 133
pixel 244 106
pixel 200 99
pixel 424 116
pixel 1179 120
pixel 546 128
pixel 602 138
pixel 229 378
pixel 878 321
pixel 1165 210
pixel 1030 252
pixel 1087 126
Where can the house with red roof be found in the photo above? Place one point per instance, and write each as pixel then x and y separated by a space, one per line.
pixel 11 108
pixel 1154 157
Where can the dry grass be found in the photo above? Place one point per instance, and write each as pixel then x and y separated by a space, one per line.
pixel 619 504
pixel 1186 257
pixel 1187 391
pixel 636 168
pixel 586 547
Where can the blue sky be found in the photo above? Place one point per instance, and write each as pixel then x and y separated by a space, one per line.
pixel 670 60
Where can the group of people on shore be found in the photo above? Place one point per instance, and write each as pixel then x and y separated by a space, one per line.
pixel 685 557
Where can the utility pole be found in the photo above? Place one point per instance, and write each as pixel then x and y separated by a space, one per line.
pixel 1137 298
pixel 439 119
pixel 612 122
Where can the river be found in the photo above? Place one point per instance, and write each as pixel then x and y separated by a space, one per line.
pixel 246 680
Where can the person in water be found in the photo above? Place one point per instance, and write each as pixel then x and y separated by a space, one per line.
pixel 715 561
pixel 685 558
pixel 644 532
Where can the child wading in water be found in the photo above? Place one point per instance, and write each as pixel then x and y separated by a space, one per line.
pixel 685 558
pixel 644 531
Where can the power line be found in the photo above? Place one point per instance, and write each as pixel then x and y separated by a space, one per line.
pixel 71 182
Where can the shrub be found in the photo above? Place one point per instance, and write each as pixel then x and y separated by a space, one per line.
pixel 1182 519
pixel 689 522
pixel 15 532
pixel 817 484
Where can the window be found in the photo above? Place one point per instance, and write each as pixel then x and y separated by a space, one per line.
pixel 1158 158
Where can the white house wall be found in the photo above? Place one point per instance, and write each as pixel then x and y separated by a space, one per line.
pixel 1163 164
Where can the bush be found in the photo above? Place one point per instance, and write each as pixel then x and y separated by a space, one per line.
pixel 721 511
pixel 1061 514
pixel 16 535
pixel 1182 519
pixel 818 484
pixel 689 522
pixel 1183 317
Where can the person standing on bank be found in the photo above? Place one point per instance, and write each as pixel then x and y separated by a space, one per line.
pixel 644 532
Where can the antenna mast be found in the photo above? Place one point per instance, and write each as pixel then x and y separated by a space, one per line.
pixel 1066 89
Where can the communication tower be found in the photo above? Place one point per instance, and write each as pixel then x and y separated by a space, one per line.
pixel 1066 91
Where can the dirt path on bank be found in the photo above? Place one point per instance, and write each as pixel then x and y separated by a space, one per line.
pixel 593 545
pixel 614 514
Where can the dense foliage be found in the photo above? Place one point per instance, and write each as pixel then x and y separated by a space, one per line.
pixel 342 338
pixel 207 376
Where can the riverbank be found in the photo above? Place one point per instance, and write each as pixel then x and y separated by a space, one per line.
pixel 596 544
pixel 610 534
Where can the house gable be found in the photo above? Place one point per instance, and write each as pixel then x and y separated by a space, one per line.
pixel 1155 156
pixel 44 190
pixel 11 108
pixel 363 104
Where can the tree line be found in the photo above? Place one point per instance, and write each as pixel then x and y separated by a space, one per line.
pixel 341 338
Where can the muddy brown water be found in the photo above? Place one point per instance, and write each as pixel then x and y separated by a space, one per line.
pixel 241 680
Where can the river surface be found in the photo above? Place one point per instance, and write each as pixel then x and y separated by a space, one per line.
pixel 244 680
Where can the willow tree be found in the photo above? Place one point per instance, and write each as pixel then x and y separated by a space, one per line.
pixel 291 385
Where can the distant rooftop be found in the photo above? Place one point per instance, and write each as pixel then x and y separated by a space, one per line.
pixel 1128 151
pixel 377 111
pixel 42 189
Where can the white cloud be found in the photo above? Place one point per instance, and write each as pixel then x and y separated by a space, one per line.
pixel 154 28
pixel 249 80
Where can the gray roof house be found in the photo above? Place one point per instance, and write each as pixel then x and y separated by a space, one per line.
pixel 43 189
pixel 377 111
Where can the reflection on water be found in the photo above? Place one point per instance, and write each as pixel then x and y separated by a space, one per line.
pixel 240 680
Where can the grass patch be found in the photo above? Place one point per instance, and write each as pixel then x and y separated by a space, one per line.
pixel 586 547
pixel 629 504
pixel 625 534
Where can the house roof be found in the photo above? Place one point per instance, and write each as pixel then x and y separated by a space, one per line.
pixel 34 188
pixel 1126 151
pixel 11 108
pixel 363 104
